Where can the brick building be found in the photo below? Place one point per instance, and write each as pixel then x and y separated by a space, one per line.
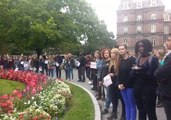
pixel 138 19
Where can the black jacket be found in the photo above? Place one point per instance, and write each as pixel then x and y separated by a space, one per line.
pixel 125 68
pixel 163 75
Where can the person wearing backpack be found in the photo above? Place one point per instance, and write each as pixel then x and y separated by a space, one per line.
pixel 145 84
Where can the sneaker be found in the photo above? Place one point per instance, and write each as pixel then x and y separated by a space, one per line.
pixel 105 111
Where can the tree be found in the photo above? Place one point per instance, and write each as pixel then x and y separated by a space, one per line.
pixel 41 24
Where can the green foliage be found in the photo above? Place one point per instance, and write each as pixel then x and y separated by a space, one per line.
pixel 36 25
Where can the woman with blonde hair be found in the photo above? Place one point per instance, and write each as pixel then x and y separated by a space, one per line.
pixel 114 92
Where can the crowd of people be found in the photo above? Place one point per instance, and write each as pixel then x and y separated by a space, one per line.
pixel 44 64
pixel 136 80
pixel 115 74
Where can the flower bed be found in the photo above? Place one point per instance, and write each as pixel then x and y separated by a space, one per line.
pixel 42 99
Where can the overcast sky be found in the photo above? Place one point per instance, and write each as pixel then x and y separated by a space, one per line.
pixel 106 10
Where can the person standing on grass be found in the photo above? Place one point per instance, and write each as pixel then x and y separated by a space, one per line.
pixel 163 75
pixel 125 84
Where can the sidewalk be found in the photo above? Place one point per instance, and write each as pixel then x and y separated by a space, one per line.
pixel 160 111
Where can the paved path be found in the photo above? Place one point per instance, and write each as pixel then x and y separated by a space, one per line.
pixel 160 111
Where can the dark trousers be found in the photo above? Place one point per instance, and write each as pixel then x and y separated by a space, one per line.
pixel 58 72
pixel 115 95
pixel 99 88
pixel 46 70
pixel 145 98
pixel 167 107
pixel 81 73
pixel 94 78
pixel 87 72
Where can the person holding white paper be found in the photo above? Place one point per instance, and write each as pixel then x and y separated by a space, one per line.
pixel 114 93
pixel 105 54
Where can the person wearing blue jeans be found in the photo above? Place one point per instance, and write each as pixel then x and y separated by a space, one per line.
pixel 125 83
pixel 130 106
pixel 70 73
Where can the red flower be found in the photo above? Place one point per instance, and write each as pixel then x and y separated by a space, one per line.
pixel 33 82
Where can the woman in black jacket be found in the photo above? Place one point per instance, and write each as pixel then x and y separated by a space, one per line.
pixel 126 83
pixel 145 83
pixel 114 93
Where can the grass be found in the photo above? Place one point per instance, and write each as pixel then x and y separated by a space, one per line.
pixel 81 106
pixel 7 86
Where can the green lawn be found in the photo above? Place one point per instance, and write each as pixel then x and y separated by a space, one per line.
pixel 7 86
pixel 81 106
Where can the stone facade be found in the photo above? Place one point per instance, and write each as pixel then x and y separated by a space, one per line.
pixel 139 19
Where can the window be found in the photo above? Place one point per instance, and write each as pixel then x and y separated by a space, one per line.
pixel 166 30
pixel 139 18
pixel 125 30
pixel 125 5
pixel 153 3
pixel 153 16
pixel 153 41
pixel 139 29
pixel 166 17
pixel 139 4
pixel 126 42
pixel 153 28
pixel 125 19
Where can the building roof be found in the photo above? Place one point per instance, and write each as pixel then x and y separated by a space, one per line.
pixel 138 4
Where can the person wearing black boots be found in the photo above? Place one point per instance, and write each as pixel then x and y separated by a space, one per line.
pixel 114 93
